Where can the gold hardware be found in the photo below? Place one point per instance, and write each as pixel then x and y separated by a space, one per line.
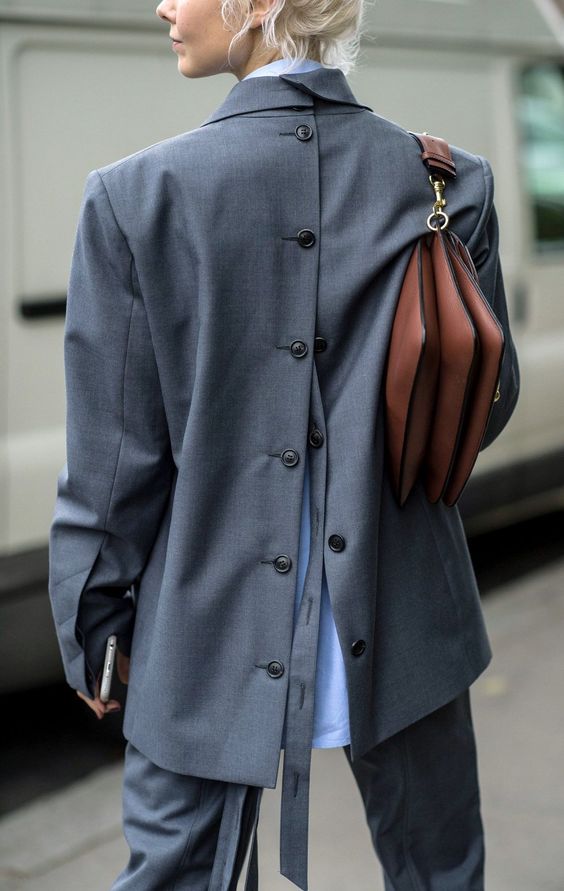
pixel 440 213
pixel 439 187
pixel 438 184
pixel 497 393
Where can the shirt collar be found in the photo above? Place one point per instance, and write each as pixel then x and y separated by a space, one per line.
pixel 278 66
pixel 299 89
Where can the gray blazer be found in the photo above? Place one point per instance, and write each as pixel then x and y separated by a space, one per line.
pixel 194 304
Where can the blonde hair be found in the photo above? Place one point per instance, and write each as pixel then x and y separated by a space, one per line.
pixel 327 31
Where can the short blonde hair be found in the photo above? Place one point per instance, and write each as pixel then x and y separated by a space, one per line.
pixel 325 30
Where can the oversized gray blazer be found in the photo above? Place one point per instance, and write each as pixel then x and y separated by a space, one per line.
pixel 190 299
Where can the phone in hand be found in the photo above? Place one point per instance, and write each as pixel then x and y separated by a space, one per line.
pixel 109 670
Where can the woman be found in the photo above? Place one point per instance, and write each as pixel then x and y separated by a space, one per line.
pixel 229 309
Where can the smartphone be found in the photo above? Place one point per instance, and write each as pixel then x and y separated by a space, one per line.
pixel 109 670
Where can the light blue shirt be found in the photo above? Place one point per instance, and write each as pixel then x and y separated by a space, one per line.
pixel 278 66
pixel 331 707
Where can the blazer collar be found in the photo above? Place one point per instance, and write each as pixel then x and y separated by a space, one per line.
pixel 285 90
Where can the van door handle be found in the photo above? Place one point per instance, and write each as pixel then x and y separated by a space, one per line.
pixel 43 307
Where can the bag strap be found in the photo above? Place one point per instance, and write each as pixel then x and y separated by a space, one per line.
pixel 435 153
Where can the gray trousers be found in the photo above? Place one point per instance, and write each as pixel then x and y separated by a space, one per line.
pixel 419 789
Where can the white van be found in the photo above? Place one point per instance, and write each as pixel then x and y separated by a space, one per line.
pixel 83 84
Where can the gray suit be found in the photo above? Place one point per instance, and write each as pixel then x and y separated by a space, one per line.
pixel 232 288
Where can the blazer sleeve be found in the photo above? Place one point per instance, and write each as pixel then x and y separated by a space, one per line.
pixel 113 488
pixel 485 253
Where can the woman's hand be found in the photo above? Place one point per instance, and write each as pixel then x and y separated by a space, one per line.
pixel 96 704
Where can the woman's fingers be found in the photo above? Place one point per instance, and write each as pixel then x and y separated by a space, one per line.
pixel 99 707
pixel 96 704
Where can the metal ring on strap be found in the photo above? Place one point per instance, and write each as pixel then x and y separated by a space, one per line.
pixel 439 213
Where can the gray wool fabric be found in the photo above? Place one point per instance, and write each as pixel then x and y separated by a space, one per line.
pixel 231 289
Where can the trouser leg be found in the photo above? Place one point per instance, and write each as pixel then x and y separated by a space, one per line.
pixel 421 796
pixel 175 826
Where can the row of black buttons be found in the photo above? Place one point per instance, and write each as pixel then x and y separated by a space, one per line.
pixel 299 349
pixel 306 238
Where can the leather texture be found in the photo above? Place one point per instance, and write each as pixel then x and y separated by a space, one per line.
pixel 444 361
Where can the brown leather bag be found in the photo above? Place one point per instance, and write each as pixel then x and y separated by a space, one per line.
pixel 444 358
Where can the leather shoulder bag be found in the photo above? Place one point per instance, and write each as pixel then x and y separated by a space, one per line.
pixel 444 358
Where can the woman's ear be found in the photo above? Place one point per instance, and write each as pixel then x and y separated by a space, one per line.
pixel 260 8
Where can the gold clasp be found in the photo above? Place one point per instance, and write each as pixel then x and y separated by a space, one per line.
pixel 497 393
pixel 439 187
pixel 438 184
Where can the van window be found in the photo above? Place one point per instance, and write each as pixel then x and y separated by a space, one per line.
pixel 540 100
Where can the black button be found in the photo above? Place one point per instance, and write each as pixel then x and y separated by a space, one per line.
pixel 282 563
pixel 275 669
pixel 319 345
pixel 336 542
pixel 303 132
pixel 290 457
pixel 316 438
pixel 298 348
pixel 358 647
pixel 306 238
